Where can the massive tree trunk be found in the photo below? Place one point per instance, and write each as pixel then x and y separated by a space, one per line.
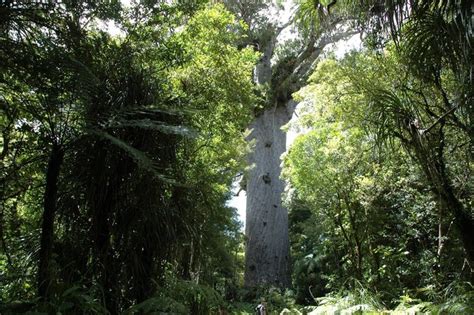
pixel 267 252
pixel 47 228
pixel 267 260
pixel 267 255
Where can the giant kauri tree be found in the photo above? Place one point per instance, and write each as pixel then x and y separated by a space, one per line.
pixel 267 257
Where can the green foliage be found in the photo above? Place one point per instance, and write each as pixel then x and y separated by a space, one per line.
pixel 73 300
pixel 363 301
pixel 151 126
pixel 356 302
pixel 275 300
pixel 361 209
pixel 255 16
pixel 180 297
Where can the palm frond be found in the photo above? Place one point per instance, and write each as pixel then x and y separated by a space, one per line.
pixel 431 42
pixel 140 158
pixel 150 124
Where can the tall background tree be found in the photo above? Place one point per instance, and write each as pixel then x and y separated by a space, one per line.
pixel 118 154
pixel 281 70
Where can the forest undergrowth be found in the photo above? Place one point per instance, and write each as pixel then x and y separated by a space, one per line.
pixel 125 126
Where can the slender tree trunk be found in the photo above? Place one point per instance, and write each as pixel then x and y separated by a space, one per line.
pixel 462 220
pixel 430 157
pixel 267 256
pixel 47 228
pixel 101 201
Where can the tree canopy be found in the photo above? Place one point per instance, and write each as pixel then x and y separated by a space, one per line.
pixel 119 153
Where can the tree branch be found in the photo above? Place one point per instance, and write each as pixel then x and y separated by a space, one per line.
pixel 307 58
pixel 439 120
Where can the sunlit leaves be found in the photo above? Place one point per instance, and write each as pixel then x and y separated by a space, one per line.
pixel 363 191
pixel 216 80
pixel 218 73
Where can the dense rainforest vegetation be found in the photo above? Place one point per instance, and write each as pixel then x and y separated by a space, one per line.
pixel 124 126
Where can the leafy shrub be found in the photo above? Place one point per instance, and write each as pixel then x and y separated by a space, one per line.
pixel 181 297
pixel 73 300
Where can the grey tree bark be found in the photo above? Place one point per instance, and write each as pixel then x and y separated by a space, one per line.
pixel 267 255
